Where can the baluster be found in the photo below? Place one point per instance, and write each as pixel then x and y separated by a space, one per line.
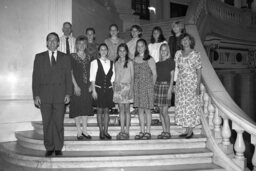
pixel 226 132
pixel 239 147
pixel 206 103
pixel 211 110
pixel 253 141
pixel 217 121
pixel 226 146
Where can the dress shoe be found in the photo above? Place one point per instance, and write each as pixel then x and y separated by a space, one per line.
pixel 79 137
pixel 48 153
pixel 87 136
pixel 189 136
pixel 183 135
pixel 102 137
pixel 58 153
pixel 107 136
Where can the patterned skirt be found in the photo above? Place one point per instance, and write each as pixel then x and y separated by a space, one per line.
pixel 123 93
pixel 160 94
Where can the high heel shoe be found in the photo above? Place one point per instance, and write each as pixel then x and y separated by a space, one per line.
pixel 102 137
pixel 88 137
pixel 183 135
pixel 107 136
pixel 189 136
pixel 79 138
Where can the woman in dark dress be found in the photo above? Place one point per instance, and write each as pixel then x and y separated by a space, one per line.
pixel 175 40
pixel 175 44
pixel 92 46
pixel 102 76
pixel 80 105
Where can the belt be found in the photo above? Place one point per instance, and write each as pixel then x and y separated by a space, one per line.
pixel 163 82
pixel 103 87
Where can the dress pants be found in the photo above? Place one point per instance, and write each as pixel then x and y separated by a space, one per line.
pixel 53 121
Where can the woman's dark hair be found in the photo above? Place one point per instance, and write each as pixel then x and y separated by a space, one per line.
pixel 67 23
pixel 137 27
pixel 161 37
pixel 146 53
pixel 90 29
pixel 113 25
pixel 191 38
pixel 81 38
pixel 102 44
pixel 182 28
pixel 126 56
pixel 55 34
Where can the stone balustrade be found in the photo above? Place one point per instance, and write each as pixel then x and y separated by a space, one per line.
pixel 220 122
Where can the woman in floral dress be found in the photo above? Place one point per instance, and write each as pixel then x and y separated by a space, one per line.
pixel 187 101
pixel 80 104
pixel 123 88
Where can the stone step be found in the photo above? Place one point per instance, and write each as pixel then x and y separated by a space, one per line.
pixel 31 140
pixel 93 130
pixel 187 167
pixel 99 159
pixel 134 118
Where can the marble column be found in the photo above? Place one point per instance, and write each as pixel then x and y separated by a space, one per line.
pixel 238 3
pixel 59 11
pixel 253 6
pixel 244 4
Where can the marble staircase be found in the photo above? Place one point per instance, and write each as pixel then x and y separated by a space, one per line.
pixel 172 154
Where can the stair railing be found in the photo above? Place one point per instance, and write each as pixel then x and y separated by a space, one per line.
pixel 220 114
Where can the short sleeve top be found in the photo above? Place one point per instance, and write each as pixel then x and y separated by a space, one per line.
pixel 112 48
pixel 163 69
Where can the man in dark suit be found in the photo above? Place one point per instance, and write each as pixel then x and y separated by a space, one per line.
pixel 52 87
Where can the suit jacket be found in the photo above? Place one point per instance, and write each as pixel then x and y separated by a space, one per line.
pixel 51 84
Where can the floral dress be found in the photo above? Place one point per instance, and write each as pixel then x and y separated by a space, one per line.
pixel 143 86
pixel 123 89
pixel 187 102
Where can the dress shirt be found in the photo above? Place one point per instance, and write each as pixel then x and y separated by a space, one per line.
pixel 71 41
pixel 54 54
pixel 106 67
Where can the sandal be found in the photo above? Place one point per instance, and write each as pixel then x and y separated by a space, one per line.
pixel 161 135
pixel 146 136
pixel 139 136
pixel 124 136
pixel 167 135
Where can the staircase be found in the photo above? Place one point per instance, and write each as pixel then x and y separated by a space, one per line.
pixel 209 149
pixel 172 154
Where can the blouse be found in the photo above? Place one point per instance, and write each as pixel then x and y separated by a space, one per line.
pixel 112 48
pixel 154 50
pixel 123 75
pixel 131 46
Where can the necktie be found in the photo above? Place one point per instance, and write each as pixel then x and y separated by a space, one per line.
pixel 67 46
pixel 53 60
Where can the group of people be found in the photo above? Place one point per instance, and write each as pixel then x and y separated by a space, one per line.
pixel 86 74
